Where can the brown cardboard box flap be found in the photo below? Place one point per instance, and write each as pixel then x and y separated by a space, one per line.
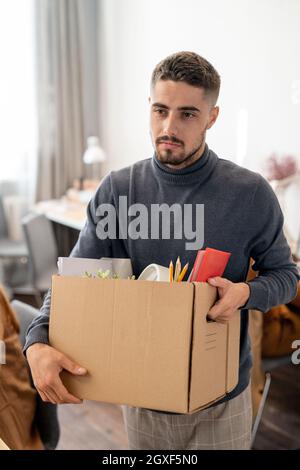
pixel 215 351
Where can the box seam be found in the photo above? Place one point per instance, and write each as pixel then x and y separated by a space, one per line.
pixel 227 359
pixel 191 349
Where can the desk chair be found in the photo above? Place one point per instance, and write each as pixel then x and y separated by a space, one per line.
pixel 13 254
pixel 9 248
pixel 42 252
pixel 46 413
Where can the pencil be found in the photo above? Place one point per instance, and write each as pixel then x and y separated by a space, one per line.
pixel 177 269
pixel 183 272
pixel 171 269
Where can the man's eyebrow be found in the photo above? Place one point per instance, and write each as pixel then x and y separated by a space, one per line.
pixel 182 108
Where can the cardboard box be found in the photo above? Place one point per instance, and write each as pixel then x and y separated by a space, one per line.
pixel 145 344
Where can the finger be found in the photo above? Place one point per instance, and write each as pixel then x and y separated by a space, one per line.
pixel 218 281
pixel 45 396
pixel 225 316
pixel 222 320
pixel 52 395
pixel 72 367
pixel 64 395
pixel 72 400
pixel 55 396
pixel 218 309
pixel 42 395
pixel 51 391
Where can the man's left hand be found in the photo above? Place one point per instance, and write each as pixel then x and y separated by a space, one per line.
pixel 231 297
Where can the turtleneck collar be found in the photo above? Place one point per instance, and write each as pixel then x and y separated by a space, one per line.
pixel 195 173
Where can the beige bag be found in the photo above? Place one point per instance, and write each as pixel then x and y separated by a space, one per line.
pixel 17 396
pixel 281 327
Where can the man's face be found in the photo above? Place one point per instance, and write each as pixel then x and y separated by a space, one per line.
pixel 180 116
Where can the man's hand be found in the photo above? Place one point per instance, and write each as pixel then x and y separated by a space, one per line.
pixel 232 296
pixel 46 363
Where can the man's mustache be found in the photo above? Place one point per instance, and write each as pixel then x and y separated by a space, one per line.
pixel 169 139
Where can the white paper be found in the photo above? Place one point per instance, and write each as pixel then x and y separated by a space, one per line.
pixel 71 266
pixel 78 266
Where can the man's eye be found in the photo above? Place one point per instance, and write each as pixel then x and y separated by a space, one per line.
pixel 160 112
pixel 188 115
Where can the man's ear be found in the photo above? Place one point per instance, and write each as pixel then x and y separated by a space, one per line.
pixel 213 115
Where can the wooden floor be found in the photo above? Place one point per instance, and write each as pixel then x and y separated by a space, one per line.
pixel 91 426
pixel 280 424
pixel 100 426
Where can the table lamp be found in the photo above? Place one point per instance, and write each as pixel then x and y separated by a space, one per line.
pixel 94 153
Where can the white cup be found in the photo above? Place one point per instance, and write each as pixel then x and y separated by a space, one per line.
pixel 155 272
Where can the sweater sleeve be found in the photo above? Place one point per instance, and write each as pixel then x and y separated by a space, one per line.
pixel 278 277
pixel 87 246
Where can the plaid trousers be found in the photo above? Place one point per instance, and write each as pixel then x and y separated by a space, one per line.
pixel 224 426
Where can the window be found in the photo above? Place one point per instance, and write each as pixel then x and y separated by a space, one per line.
pixel 18 131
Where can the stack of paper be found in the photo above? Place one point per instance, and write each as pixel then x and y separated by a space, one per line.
pixel 78 266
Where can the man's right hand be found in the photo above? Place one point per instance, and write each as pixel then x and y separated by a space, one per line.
pixel 46 363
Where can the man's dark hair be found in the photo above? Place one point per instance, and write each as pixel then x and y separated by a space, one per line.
pixel 190 68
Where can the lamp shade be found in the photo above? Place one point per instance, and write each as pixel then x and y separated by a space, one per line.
pixel 94 153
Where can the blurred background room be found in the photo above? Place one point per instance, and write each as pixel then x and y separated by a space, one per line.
pixel 74 90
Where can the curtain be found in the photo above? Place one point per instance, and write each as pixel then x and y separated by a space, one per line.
pixel 67 90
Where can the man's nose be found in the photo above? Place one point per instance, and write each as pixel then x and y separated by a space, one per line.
pixel 170 125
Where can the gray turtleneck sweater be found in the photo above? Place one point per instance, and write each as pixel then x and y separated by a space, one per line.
pixel 241 216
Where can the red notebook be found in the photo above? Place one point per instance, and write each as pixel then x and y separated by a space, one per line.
pixel 209 263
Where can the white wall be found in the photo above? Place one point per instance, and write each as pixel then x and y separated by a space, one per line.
pixel 254 44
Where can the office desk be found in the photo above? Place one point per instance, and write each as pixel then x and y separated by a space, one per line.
pixel 63 212
pixel 67 217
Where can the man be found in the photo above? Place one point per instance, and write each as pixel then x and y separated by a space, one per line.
pixel 242 216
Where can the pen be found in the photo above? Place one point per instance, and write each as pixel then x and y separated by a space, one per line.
pixel 177 269
pixel 171 269
pixel 183 272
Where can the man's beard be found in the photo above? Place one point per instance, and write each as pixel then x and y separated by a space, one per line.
pixel 167 156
